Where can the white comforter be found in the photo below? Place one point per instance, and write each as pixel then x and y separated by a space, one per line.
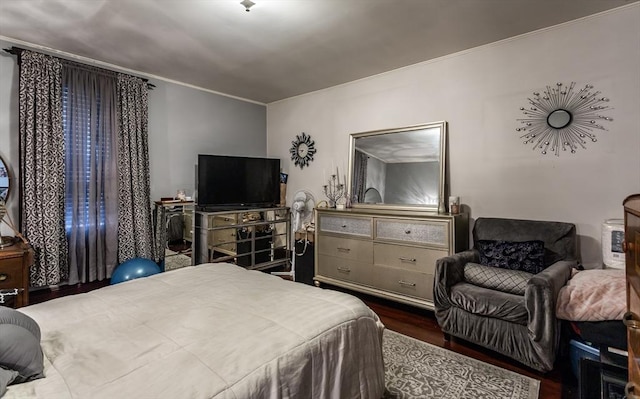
pixel 209 331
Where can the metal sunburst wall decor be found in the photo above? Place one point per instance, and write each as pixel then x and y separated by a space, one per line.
pixel 562 118
pixel 302 150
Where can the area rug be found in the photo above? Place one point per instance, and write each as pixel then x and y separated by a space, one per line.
pixel 416 369
pixel 174 260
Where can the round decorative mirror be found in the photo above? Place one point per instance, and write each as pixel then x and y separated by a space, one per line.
pixel 5 182
pixel 5 187
pixel 559 119
pixel 563 118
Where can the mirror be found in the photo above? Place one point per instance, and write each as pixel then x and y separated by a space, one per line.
pixel 4 180
pixel 399 168
pixel 559 119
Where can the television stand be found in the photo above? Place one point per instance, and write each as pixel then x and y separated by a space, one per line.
pixel 255 238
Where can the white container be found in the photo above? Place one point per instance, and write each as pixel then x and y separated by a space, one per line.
pixel 612 238
pixel 454 205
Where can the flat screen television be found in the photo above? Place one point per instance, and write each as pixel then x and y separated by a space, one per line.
pixel 229 182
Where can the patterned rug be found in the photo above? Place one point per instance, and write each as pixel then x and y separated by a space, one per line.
pixel 174 260
pixel 416 369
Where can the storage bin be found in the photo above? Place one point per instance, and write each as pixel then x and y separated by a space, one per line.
pixel 580 350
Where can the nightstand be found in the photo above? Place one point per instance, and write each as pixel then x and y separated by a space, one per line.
pixel 15 261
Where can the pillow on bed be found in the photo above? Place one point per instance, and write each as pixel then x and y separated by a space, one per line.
pixel 20 345
pixel 6 378
pixel 527 256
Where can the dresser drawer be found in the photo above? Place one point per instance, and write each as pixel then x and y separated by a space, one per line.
pixel 346 248
pixel 11 270
pixel 345 225
pixel 345 269
pixel 406 282
pixel 220 220
pixel 423 233
pixel 404 257
pixel 224 239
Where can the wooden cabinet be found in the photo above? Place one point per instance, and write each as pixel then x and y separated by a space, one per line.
pixel 391 254
pixel 632 318
pixel 15 261
pixel 257 239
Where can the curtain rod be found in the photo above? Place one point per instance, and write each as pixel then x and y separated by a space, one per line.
pixel 17 51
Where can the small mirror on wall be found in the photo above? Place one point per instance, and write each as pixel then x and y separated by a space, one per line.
pixel 5 187
pixel 4 180
pixel 403 167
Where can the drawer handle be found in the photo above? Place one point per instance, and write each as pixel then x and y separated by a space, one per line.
pixel 3 277
pixel 411 260
pixel 407 231
pixel 344 226
pixel 406 283
pixel 341 249
pixel 630 321
pixel 344 269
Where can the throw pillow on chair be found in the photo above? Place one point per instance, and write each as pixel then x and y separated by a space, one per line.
pixel 527 256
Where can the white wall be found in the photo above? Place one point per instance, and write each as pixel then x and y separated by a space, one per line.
pixel 479 92
pixel 183 122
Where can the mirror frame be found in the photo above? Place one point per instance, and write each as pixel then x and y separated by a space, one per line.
pixel 6 168
pixel 442 174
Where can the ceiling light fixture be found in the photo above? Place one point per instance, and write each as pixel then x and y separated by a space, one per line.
pixel 247 4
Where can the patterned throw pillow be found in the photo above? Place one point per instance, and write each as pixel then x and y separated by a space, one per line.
pixel 527 256
pixel 512 281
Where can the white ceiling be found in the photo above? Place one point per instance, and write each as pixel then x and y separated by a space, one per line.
pixel 281 48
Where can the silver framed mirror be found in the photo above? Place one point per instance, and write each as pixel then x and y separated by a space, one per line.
pixel 404 167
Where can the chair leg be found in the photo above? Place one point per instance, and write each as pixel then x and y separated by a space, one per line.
pixel 447 337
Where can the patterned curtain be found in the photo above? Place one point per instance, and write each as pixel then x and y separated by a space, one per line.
pixel 42 155
pixel 92 181
pixel 359 176
pixel 135 228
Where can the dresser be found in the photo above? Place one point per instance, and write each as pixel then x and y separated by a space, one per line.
pixel 632 318
pixel 256 238
pixel 386 253
pixel 15 261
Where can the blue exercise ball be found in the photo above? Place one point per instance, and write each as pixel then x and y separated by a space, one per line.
pixel 134 268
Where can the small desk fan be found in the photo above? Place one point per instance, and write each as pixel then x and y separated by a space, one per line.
pixel 301 218
pixel 302 210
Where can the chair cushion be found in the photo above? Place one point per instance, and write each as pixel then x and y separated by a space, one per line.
pixel 489 303
pixel 527 256
pixel 512 281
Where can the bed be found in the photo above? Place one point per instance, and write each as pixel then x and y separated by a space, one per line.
pixel 207 331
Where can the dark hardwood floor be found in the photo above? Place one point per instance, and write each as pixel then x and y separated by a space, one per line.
pixel 421 324
pixel 417 323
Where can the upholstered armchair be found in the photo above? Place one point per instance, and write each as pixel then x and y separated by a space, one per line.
pixel 502 293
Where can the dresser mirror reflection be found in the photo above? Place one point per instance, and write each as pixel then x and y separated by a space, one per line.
pixel 401 168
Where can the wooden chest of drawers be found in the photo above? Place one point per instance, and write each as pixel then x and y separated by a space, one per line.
pixel 391 254
pixel 14 270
